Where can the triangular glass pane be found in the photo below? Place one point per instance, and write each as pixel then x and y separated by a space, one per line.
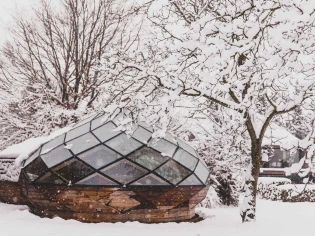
pixel 82 143
pixel 100 120
pixel 86 120
pixel 50 178
pixel 96 179
pixel 186 159
pixel 124 171
pixel 191 180
pixel 32 157
pixel 47 147
pixel 123 145
pixel 163 146
pixel 202 172
pixel 172 171
pixel 106 132
pixel 148 158
pixel 186 147
pixel 73 170
pixel 99 156
pixel 35 169
pixel 151 179
pixel 74 133
pixel 56 156
pixel 142 135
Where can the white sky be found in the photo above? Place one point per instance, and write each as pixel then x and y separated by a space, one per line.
pixel 7 8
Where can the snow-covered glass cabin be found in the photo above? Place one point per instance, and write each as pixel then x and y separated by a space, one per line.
pixel 97 173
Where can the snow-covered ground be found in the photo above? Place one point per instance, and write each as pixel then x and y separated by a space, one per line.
pixel 274 218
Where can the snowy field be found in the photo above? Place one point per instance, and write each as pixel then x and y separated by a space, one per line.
pixel 274 218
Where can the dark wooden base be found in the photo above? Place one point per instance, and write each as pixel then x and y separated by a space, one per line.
pixel 107 204
pixel 10 192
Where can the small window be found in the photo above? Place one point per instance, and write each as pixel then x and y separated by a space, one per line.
pixel 148 158
pixel 99 156
pixel 163 146
pixel 96 179
pixel 73 170
pixel 82 143
pixel 50 178
pixel 123 145
pixel 56 156
pixel 151 179
pixel 124 171
pixel 172 171
pixel 142 135
pixel 186 159
pixel 35 169
pixel 74 133
pixel 106 132
pixel 47 147
pixel 202 172
pixel 191 180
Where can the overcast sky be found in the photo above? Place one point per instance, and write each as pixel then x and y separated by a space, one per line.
pixel 7 8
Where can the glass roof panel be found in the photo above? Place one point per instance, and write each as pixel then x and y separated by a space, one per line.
pixel 99 156
pixel 74 133
pixel 86 120
pixel 202 172
pixel 50 178
pixel 52 144
pixel 150 179
pixel 172 171
pixel 170 138
pixel 96 179
pixel 56 156
pixel 185 159
pixel 163 146
pixel 124 171
pixel 106 132
pixel 191 180
pixel 186 147
pixel 148 158
pixel 35 169
pixel 123 144
pixel 32 157
pixel 145 125
pixel 82 143
pixel 142 135
pixel 99 121
pixel 73 170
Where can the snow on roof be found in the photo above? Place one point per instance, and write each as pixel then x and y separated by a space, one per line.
pixel 22 151
pixel 277 135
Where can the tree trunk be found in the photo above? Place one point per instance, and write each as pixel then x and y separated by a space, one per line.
pixel 248 207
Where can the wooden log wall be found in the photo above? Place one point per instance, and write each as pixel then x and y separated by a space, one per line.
pixel 107 204
pixel 10 192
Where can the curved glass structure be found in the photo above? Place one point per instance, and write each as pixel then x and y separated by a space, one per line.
pixel 96 153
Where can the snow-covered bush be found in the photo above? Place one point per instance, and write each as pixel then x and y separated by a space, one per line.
pixel 281 189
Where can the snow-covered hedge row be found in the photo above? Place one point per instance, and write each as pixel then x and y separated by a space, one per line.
pixel 281 189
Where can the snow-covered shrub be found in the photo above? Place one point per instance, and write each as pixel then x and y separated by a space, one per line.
pixel 281 189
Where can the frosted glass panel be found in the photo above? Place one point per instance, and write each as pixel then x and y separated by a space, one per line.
pixel 191 180
pixel 124 171
pixel 96 179
pixel 186 147
pixel 99 156
pixel 186 159
pixel 123 144
pixel 56 156
pixel 82 143
pixel 99 121
pixel 142 135
pixel 53 143
pixel 74 133
pixel 148 158
pixel 172 171
pixel 163 146
pixel 151 179
pixel 106 132
pixel 202 172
